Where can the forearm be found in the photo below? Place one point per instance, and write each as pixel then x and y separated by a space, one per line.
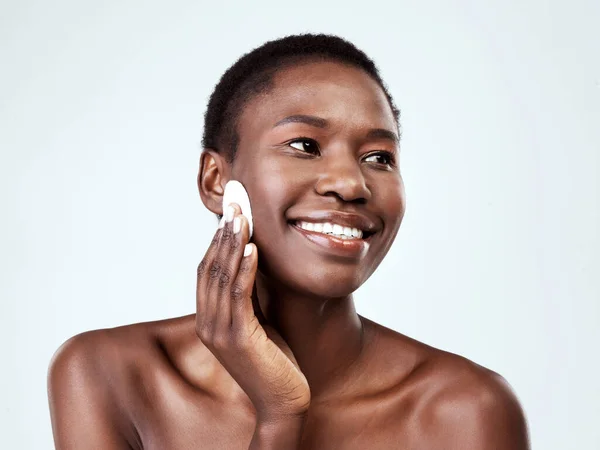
pixel 278 435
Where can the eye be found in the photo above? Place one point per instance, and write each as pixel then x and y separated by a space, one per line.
pixel 306 145
pixel 388 158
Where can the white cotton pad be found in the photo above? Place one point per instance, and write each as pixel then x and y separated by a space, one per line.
pixel 236 193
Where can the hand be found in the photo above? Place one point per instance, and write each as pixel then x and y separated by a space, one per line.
pixel 230 323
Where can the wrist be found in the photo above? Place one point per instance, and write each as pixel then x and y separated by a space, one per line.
pixel 268 419
pixel 282 433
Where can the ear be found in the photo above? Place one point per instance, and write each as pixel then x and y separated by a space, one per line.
pixel 213 174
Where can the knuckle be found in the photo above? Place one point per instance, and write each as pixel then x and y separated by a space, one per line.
pixel 215 269
pixel 223 279
pixel 234 244
pixel 201 268
pixel 203 333
pixel 237 292
pixel 208 330
pixel 221 341
pixel 244 266
pixel 215 239
pixel 227 233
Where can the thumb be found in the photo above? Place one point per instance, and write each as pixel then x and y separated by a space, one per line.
pixel 272 334
pixel 256 305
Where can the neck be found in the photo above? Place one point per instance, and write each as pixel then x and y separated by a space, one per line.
pixel 325 335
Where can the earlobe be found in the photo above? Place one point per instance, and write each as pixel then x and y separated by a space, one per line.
pixel 212 177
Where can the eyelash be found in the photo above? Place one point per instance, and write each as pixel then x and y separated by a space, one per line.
pixel 389 155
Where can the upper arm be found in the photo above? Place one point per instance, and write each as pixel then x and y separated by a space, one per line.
pixel 479 414
pixel 83 413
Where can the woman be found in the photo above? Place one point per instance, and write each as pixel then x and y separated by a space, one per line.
pixel 276 355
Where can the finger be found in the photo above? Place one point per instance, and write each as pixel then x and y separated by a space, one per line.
pixel 203 273
pixel 241 291
pixel 256 306
pixel 217 272
pixel 232 252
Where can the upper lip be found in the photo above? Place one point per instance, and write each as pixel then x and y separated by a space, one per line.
pixel 351 220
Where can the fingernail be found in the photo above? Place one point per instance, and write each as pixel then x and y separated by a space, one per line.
pixel 221 222
pixel 229 212
pixel 247 249
pixel 237 224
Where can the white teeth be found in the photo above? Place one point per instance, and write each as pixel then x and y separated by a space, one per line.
pixel 332 228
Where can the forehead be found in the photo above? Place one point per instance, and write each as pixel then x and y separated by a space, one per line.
pixel 344 95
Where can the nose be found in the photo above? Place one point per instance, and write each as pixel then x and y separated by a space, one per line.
pixel 342 175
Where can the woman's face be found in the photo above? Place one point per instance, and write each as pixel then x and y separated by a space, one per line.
pixel 337 166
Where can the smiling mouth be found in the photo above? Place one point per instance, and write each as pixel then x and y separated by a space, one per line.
pixel 366 235
pixel 348 248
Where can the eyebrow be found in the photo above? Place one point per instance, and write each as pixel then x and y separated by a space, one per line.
pixel 373 133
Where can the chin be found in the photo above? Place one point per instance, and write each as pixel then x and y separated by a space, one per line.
pixel 317 283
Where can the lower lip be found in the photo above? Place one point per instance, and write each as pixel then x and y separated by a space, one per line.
pixel 342 247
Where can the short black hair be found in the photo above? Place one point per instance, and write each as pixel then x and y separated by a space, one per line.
pixel 253 73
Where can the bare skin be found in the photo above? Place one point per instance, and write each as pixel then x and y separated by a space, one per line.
pixel 157 385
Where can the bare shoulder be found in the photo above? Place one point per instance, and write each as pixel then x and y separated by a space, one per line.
pixel 459 384
pixel 471 406
pixel 459 403
pixel 92 379
pixel 112 353
pixel 107 349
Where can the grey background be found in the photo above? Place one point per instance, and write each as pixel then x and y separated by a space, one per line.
pixel 101 108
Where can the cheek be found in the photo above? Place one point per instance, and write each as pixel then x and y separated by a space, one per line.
pixel 393 202
pixel 271 198
pixel 400 200
pixel 269 193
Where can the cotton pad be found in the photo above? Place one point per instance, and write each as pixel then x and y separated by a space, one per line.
pixel 236 193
